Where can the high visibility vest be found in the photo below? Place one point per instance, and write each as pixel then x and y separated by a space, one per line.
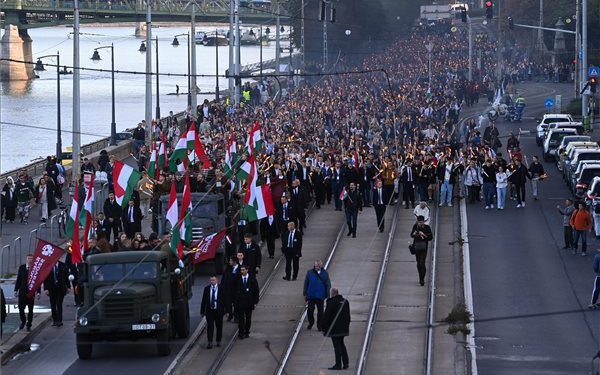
pixel 246 94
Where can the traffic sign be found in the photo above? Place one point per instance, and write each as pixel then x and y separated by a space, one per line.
pixel 593 71
pixel 549 102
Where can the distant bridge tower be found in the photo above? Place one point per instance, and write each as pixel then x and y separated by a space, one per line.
pixel 15 44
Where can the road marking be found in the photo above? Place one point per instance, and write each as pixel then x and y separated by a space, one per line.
pixel 467 285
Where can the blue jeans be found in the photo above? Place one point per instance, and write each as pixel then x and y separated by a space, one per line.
pixel 488 193
pixel 422 189
pixel 583 234
pixel 501 192
pixel 351 219
pixel 446 193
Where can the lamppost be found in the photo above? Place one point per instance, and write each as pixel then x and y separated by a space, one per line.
pixel 39 67
pixel 260 41
pixel 175 44
pixel 429 47
pixel 96 58
pixel 143 50
pixel 216 67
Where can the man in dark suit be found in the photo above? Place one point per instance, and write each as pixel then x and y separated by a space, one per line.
pixel 299 203
pixel 379 204
pixel 352 204
pixel 246 298
pixel 103 224
pixel 57 286
pixel 268 233
pixel 21 292
pixel 213 308
pixel 285 213
pixel 336 324
pixel 337 183
pixel 252 254
pixel 112 211
pixel 132 219
pixel 292 250
pixel 408 185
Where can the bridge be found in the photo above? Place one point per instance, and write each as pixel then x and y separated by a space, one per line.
pixel 17 16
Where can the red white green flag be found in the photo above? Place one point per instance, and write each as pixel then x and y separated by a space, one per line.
pixel 173 219
pixel 185 217
pixel 179 153
pixel 125 179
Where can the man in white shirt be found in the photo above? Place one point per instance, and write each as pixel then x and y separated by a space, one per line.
pixel 213 308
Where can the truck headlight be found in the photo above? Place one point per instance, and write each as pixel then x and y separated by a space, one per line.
pixel 155 318
pixel 83 321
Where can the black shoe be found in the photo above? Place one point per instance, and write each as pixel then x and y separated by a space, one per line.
pixel 230 318
pixel 54 324
pixel 286 278
pixel 349 233
pixel 241 336
pixel 271 257
pixel 381 230
pixel 406 207
pixel 218 344
pixel 60 324
pixel 345 367
pixel 22 326
pixel 209 346
pixel 353 235
pixel 310 325
pixel 294 278
pixel 422 282
pixel 246 335
pixel 334 368
pixel 28 328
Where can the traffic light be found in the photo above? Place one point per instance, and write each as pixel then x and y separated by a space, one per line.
pixel 511 23
pixel 593 82
pixel 489 10
pixel 463 15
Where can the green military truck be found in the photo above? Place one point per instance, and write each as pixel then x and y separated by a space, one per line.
pixel 133 295
pixel 208 217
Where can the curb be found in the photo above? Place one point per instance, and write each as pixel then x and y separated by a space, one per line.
pixel 19 342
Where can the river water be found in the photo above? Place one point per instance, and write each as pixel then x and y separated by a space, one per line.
pixel 28 108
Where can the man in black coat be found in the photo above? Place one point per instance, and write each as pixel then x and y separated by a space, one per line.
pixel 112 211
pixel 379 204
pixel 352 204
pixel 103 224
pixel 132 219
pixel 57 286
pixel 293 250
pixel 246 298
pixel 408 185
pixel 336 324
pixel 285 212
pixel 298 201
pixel 213 308
pixel 252 254
pixel 268 233
pixel 21 292
pixel 421 234
pixel 519 177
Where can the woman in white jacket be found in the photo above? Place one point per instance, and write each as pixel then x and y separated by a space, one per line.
pixel 501 184
pixel 473 181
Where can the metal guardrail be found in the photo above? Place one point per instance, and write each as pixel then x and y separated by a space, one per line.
pixel 33 231
pixel 52 220
pixel 2 259
pixel 17 257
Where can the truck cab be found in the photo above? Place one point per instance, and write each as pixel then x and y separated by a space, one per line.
pixel 132 295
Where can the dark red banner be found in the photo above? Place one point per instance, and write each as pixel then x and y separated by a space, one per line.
pixel 277 190
pixel 44 258
pixel 206 249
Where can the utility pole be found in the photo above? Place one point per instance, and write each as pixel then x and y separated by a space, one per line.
pixel 584 63
pixel 148 116
pixel 277 42
pixel 302 31
pixel 540 31
pixel 193 77
pixel 470 48
pixel 231 68
pixel 76 97
pixel 238 80
pixel 577 79
pixel 325 52
pixel 499 49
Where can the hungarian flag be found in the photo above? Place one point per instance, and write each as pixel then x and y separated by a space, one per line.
pixel 207 248
pixel 356 162
pixel 87 213
pixel 179 153
pixel 73 216
pixel 258 200
pixel 230 156
pixel 173 219
pixel 343 194
pixel 185 217
pixel 251 185
pixel 196 149
pixel 243 173
pixel 162 151
pixel 44 258
pixel 254 141
pixel 125 179
pixel 153 166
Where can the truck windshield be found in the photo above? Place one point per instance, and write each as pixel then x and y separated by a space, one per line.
pixel 115 272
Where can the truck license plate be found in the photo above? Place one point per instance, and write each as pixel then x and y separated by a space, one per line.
pixel 143 327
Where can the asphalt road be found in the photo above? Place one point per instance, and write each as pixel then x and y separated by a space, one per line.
pixel 530 296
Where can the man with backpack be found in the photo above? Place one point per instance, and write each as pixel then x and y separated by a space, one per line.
pixel 316 290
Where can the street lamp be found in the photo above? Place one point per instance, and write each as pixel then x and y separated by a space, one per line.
pixel 143 50
pixel 267 31
pixel 429 47
pixel 96 58
pixel 39 67
pixel 175 44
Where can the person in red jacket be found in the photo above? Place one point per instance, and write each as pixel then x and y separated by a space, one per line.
pixel 581 221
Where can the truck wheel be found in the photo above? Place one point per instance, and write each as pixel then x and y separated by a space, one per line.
pixel 84 346
pixel 182 318
pixel 219 264
pixel 162 343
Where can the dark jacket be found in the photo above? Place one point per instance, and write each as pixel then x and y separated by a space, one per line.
pixel 353 201
pixel 21 282
pixel 58 285
pixel 296 249
pixel 336 324
pixel 252 256
pixel 292 216
pixel 519 175
pixel 112 210
pixel 316 285
pixel 246 296
pixel 426 229
pixel 441 173
pixel 221 298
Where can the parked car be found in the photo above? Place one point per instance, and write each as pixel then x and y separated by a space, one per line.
pixel 552 141
pixel 578 156
pixel 546 120
pixel 584 178
pixel 567 155
pixel 574 176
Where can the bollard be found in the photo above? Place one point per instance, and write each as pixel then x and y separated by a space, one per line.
pixel 2 256
pixel 18 254
pixel 52 220
pixel 31 237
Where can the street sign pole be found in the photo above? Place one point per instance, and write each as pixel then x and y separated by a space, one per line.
pixel 584 63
